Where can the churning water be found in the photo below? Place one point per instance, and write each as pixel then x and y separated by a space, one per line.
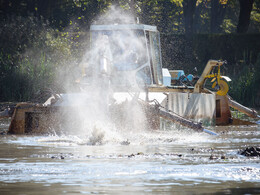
pixel 142 162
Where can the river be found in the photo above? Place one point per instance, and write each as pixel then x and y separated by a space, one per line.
pixel 145 162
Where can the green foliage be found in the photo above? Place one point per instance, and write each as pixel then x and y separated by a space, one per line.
pixel 33 76
pixel 29 63
pixel 245 86
pixel 41 40
pixel 242 86
pixel 228 26
pixel 255 18
pixel 167 14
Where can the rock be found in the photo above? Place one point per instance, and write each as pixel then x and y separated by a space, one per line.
pixel 212 157
pixel 250 151
pixel 131 155
pixel 3 133
pixel 125 143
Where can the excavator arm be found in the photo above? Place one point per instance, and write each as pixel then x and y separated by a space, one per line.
pixel 206 74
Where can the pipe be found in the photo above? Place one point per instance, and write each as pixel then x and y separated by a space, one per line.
pixel 249 112
pixel 209 132
pixel 183 121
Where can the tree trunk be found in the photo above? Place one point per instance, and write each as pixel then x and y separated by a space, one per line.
pixel 188 11
pixel 218 11
pixel 244 15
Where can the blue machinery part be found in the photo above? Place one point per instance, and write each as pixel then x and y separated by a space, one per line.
pixel 209 132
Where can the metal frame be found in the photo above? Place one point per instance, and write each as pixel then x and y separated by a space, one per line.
pixel 123 27
pixel 144 28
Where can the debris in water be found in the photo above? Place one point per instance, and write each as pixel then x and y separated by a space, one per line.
pixel 131 155
pixel 251 151
pixel 223 157
pixel 125 142
pixel 62 156
pixel 212 157
pixel 3 133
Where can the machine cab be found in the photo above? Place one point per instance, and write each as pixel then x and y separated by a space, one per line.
pixel 130 55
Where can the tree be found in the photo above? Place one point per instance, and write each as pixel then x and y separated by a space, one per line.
pixel 246 7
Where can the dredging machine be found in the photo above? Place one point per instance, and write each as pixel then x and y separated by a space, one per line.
pixel 123 79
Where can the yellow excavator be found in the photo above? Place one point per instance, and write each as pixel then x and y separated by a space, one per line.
pixel 220 86
pixel 219 81
pixel 125 83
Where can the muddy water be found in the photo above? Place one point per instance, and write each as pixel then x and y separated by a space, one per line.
pixel 117 162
